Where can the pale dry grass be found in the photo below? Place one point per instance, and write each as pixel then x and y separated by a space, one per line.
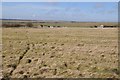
pixel 60 52
pixel 0 52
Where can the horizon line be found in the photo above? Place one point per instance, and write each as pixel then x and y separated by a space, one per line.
pixel 54 20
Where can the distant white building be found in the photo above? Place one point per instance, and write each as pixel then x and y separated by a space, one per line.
pixel 101 26
pixel 51 27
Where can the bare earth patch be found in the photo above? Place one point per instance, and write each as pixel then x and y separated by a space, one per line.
pixel 60 52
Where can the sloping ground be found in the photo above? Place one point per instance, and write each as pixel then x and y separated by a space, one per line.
pixel 60 52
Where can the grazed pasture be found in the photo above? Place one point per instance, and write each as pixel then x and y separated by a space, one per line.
pixel 60 52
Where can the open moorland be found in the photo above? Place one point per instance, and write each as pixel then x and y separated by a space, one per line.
pixel 60 53
pixel 37 24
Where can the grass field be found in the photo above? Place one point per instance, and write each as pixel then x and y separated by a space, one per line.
pixel 60 52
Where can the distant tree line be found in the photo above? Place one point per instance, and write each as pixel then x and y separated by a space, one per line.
pixel 29 24
pixel 10 25
pixel 105 26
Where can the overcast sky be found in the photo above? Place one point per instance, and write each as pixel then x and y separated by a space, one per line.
pixel 66 11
